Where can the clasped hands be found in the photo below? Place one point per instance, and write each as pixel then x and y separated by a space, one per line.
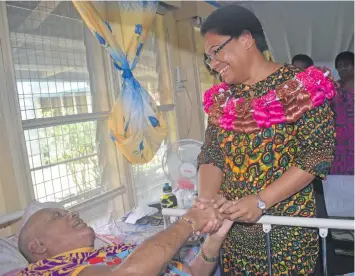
pixel 222 212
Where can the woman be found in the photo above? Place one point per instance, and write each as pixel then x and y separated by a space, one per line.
pixel 343 105
pixel 270 134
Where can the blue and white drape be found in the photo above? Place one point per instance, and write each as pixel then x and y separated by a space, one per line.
pixel 135 124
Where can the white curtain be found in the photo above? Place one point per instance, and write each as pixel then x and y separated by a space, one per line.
pixel 318 29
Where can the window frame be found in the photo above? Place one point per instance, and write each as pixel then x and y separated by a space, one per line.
pixel 16 126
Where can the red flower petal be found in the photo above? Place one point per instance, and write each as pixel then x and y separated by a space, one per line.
pixel 96 260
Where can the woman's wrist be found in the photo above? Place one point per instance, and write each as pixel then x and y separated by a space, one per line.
pixel 212 245
pixel 267 198
pixel 207 259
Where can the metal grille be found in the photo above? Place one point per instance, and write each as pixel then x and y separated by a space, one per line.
pixel 148 67
pixel 52 77
pixel 64 162
pixel 147 191
pixel 51 145
pixel 49 58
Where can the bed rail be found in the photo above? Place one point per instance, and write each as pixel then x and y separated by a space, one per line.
pixel 267 221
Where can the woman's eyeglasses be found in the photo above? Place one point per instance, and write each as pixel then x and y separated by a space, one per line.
pixel 209 58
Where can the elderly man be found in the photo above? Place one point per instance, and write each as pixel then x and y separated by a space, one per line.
pixel 58 242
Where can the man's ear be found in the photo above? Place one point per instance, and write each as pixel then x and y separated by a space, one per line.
pixel 37 247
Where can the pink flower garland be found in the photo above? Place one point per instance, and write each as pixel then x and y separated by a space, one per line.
pixel 211 93
pixel 268 109
pixel 229 114
pixel 317 84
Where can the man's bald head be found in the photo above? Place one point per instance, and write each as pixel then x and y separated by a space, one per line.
pixel 50 232
pixel 27 233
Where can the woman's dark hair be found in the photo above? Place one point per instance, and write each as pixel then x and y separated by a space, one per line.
pixel 232 20
pixel 348 56
pixel 303 58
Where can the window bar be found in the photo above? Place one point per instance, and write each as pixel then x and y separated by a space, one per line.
pixel 64 162
pixel 8 4
pixel 267 229
pixel 323 233
pixel 62 120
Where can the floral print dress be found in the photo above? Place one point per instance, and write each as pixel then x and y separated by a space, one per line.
pixel 254 150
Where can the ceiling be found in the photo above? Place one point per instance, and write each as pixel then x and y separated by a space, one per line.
pixel 320 29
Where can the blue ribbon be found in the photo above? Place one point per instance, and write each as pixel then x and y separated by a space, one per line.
pixel 127 74
pixel 138 29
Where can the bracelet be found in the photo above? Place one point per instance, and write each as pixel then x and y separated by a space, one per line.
pixel 189 222
pixel 206 259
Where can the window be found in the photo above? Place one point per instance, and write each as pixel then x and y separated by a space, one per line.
pixel 206 79
pixel 153 73
pixel 63 109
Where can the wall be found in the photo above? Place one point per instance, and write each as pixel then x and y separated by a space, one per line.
pixel 320 29
pixel 181 52
pixel 13 171
pixel 339 195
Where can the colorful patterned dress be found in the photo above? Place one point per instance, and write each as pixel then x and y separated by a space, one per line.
pixel 252 150
pixel 73 262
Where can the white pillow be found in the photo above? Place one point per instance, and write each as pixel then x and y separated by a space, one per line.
pixel 11 260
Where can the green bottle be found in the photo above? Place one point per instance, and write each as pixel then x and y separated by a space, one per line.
pixel 168 199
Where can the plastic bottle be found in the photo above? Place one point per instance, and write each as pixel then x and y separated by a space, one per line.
pixel 189 199
pixel 168 199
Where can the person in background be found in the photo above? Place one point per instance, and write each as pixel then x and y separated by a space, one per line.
pixel 265 143
pixel 302 61
pixel 343 105
pixel 344 63
pixel 58 242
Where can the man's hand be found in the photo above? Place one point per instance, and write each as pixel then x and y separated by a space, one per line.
pixel 205 219
pixel 202 203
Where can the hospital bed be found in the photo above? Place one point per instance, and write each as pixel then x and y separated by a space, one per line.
pixel 11 261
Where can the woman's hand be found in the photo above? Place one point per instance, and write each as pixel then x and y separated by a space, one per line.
pixel 243 210
pixel 223 231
